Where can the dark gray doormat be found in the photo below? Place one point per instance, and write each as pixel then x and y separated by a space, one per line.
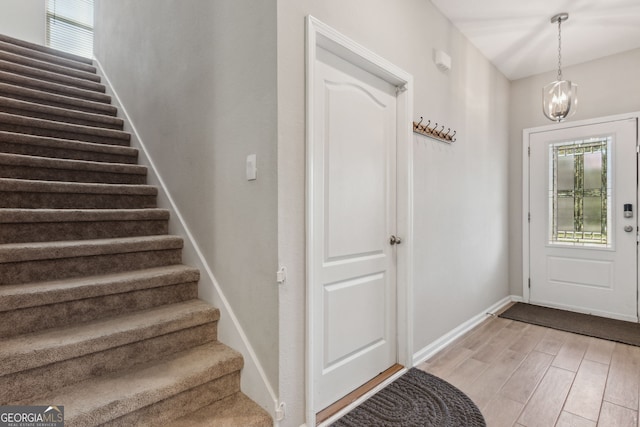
pixel 578 323
pixel 416 399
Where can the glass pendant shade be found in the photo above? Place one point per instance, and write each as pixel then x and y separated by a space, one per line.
pixel 559 100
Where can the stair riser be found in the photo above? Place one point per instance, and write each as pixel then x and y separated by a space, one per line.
pixel 235 410
pixel 63 268
pixel 48 76
pixel 75 201
pixel 44 98
pixel 58 231
pixel 29 384
pixel 54 133
pixel 68 175
pixel 47 66
pixel 35 319
pixel 56 292
pixel 65 153
pixel 176 406
pixel 110 124
pixel 53 88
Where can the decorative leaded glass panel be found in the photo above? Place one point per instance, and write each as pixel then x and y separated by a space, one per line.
pixel 579 192
pixel 565 172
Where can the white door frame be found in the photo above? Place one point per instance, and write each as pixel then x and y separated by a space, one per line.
pixel 321 35
pixel 525 185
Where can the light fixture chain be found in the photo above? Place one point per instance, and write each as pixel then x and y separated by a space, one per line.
pixel 560 49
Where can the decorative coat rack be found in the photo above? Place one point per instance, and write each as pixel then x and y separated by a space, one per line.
pixel 434 132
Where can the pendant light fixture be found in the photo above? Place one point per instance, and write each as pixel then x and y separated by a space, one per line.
pixel 559 98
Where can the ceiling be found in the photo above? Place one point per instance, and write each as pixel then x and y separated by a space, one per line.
pixel 519 39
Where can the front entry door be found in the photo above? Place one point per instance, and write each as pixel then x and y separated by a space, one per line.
pixel 583 219
pixel 353 216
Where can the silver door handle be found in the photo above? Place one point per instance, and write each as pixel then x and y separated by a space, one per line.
pixel 628 228
pixel 394 240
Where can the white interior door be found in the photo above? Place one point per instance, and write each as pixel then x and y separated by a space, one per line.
pixel 353 206
pixel 583 248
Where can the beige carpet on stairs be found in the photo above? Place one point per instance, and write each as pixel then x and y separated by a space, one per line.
pixel 97 312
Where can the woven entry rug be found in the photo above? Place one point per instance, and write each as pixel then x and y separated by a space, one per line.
pixel 415 399
pixel 578 323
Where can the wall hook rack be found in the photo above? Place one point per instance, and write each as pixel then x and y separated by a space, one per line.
pixel 433 132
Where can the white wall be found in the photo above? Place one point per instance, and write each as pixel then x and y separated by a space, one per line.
pixel 196 129
pixel 461 205
pixel 199 85
pixel 23 19
pixel 606 86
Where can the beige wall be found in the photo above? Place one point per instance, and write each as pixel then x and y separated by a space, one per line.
pixel 606 86
pixel 198 79
pixel 461 205
pixel 23 19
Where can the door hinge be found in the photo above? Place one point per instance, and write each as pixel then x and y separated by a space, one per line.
pixel 529 216
pixel 280 411
pixel 529 282
pixel 529 151
pixel 281 275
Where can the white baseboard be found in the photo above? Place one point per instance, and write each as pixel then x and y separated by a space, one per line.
pixel 254 380
pixel 433 348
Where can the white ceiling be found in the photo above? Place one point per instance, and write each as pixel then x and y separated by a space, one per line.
pixel 517 36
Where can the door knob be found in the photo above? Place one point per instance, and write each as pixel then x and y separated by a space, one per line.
pixel 394 240
pixel 628 228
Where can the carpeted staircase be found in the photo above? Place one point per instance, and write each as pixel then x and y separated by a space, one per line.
pixel 97 313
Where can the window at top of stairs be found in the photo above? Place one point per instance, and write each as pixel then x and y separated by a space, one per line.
pixel 70 26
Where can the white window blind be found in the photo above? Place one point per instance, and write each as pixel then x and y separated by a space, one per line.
pixel 70 26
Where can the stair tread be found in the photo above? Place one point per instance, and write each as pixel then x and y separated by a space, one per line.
pixel 13 137
pixel 25 185
pixel 57 88
pixel 235 410
pixel 13 297
pixel 19 252
pixel 61 112
pixel 9 215
pixel 44 49
pixel 68 164
pixel 63 127
pixel 32 93
pixel 101 399
pixel 45 75
pixel 43 348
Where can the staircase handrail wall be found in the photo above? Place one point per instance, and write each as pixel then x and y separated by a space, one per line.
pixel 254 380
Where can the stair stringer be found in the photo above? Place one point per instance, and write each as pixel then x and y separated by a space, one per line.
pixel 254 381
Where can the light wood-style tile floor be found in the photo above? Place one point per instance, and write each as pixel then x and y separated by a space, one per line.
pixel 525 375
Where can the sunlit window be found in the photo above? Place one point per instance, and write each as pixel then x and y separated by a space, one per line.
pixel 70 26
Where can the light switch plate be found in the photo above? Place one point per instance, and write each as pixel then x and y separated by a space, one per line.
pixel 252 168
